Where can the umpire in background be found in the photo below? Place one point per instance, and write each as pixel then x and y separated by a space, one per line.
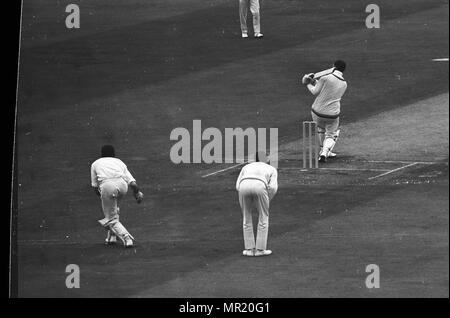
pixel 244 5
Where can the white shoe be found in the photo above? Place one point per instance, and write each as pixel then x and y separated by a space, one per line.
pixel 263 252
pixel 259 35
pixel 244 35
pixel 248 252
pixel 331 155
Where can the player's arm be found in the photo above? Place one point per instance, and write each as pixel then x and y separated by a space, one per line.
pixel 273 184
pixel 96 190
pixel 137 193
pixel 316 88
pixel 94 182
pixel 308 79
pixel 238 181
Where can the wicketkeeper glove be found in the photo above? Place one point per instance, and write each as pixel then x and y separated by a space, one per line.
pixel 139 196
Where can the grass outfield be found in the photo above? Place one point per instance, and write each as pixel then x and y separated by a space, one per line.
pixel 139 70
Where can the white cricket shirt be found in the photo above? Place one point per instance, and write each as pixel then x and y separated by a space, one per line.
pixel 329 90
pixel 109 168
pixel 260 171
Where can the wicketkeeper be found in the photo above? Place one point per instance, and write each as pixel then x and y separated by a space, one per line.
pixel 326 108
pixel 110 179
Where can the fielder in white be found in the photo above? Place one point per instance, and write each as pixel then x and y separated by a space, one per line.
pixel 244 5
pixel 257 185
pixel 110 179
pixel 326 108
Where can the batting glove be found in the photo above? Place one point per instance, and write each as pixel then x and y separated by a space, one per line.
pixel 139 196
pixel 308 79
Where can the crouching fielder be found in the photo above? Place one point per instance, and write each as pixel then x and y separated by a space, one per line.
pixel 326 108
pixel 110 179
pixel 257 185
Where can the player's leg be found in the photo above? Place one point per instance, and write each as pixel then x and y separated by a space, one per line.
pixel 119 188
pixel 331 154
pixel 111 238
pixel 331 134
pixel 110 193
pixel 321 135
pixel 320 129
pixel 263 222
pixel 116 227
pixel 254 9
pixel 246 201
pixel 243 11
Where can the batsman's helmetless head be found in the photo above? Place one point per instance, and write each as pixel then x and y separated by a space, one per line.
pixel 108 151
pixel 261 156
pixel 340 65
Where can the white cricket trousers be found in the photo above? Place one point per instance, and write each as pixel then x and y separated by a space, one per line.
pixel 254 9
pixel 253 196
pixel 111 192
pixel 328 131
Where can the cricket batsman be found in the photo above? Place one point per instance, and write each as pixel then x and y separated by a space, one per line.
pixel 329 86
pixel 257 184
pixel 110 179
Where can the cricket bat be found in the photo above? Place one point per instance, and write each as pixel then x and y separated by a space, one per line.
pixel 323 73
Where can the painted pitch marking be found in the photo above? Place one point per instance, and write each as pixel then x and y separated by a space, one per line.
pixel 394 170
pixel 223 170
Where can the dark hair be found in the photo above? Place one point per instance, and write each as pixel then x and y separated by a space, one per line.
pixel 261 156
pixel 340 65
pixel 108 151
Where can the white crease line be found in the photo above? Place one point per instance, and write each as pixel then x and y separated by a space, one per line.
pixel 343 169
pixel 376 161
pixel 223 170
pixel 391 171
pixel 48 242
pixel 395 161
pixel 338 169
pixel 445 59
pixel 63 242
